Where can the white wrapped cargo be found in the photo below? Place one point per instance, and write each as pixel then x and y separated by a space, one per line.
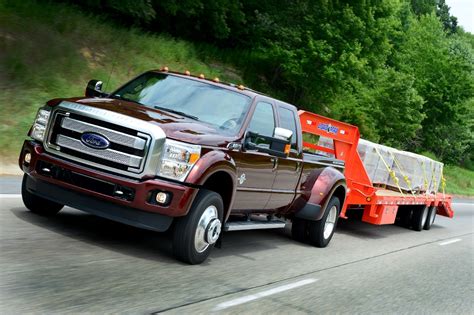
pixel 371 154
pixel 414 172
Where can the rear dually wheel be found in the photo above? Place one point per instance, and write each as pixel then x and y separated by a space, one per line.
pixel 320 232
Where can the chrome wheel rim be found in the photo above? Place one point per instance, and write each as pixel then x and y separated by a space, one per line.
pixel 424 216
pixel 432 215
pixel 330 222
pixel 207 230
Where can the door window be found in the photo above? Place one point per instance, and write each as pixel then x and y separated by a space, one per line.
pixel 262 123
pixel 263 120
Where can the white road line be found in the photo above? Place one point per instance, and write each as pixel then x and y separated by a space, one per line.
pixel 6 196
pixel 450 241
pixel 262 294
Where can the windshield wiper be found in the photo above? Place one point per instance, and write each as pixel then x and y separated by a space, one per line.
pixel 176 112
pixel 120 97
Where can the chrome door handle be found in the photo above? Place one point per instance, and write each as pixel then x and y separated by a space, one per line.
pixel 275 162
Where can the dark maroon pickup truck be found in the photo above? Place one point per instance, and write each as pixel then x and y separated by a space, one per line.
pixel 170 150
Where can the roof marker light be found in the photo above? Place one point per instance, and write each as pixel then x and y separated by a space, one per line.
pixel 201 76
pixel 165 69
pixel 216 79
pixel 187 72
pixel 241 87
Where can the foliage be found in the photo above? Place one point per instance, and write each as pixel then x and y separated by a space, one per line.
pixel 45 54
pixel 402 70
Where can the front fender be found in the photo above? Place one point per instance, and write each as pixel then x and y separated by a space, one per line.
pixel 208 164
pixel 317 190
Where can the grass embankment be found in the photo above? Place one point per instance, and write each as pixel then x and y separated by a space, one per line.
pixel 52 50
pixel 459 181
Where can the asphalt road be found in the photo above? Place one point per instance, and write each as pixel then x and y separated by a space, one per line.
pixel 76 262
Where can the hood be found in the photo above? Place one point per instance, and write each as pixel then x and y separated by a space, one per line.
pixel 175 126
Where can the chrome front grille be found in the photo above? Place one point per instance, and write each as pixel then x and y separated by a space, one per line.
pixel 112 135
pixel 135 145
pixel 107 154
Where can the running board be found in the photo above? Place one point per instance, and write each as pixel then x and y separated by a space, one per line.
pixel 254 225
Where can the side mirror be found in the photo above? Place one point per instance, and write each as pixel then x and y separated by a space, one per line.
pixel 94 89
pixel 283 134
pixel 278 145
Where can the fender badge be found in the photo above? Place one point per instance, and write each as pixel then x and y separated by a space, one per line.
pixel 242 179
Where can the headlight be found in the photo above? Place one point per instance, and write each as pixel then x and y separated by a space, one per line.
pixel 178 159
pixel 39 126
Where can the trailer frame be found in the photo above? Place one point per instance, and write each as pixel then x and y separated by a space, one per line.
pixel 380 205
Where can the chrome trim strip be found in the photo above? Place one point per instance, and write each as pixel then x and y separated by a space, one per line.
pixel 107 154
pixel 244 225
pixel 112 135
pixel 153 149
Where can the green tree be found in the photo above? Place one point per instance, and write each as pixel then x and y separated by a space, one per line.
pixel 443 68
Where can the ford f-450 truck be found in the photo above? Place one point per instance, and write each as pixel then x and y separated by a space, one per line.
pixel 174 151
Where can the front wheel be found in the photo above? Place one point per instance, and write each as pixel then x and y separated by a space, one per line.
pixel 195 234
pixel 320 232
pixel 38 204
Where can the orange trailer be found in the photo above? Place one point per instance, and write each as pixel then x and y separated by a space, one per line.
pixel 380 205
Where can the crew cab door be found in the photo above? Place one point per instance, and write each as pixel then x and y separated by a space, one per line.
pixel 288 170
pixel 255 170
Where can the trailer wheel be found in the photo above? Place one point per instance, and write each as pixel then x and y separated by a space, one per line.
pixel 38 204
pixel 195 234
pixel 431 218
pixel 419 218
pixel 404 217
pixel 299 229
pixel 320 232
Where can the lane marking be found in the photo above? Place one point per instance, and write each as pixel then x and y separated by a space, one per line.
pixel 450 241
pixel 263 294
pixel 6 196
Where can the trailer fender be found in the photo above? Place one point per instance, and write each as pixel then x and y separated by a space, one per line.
pixel 318 189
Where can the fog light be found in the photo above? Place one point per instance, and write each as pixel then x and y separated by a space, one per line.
pixel 27 158
pixel 162 198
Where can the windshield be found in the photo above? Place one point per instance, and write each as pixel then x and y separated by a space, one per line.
pixel 208 103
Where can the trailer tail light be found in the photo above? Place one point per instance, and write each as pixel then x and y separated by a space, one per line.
pixel 287 149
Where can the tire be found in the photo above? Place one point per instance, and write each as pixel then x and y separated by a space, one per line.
pixel 419 218
pixel 299 229
pixel 38 204
pixel 320 232
pixel 431 218
pixel 195 235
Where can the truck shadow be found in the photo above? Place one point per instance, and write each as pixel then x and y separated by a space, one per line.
pixel 144 244
pixel 154 246
pixel 354 227
pixel 104 233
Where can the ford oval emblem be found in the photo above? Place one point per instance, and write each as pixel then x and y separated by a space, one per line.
pixel 95 141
